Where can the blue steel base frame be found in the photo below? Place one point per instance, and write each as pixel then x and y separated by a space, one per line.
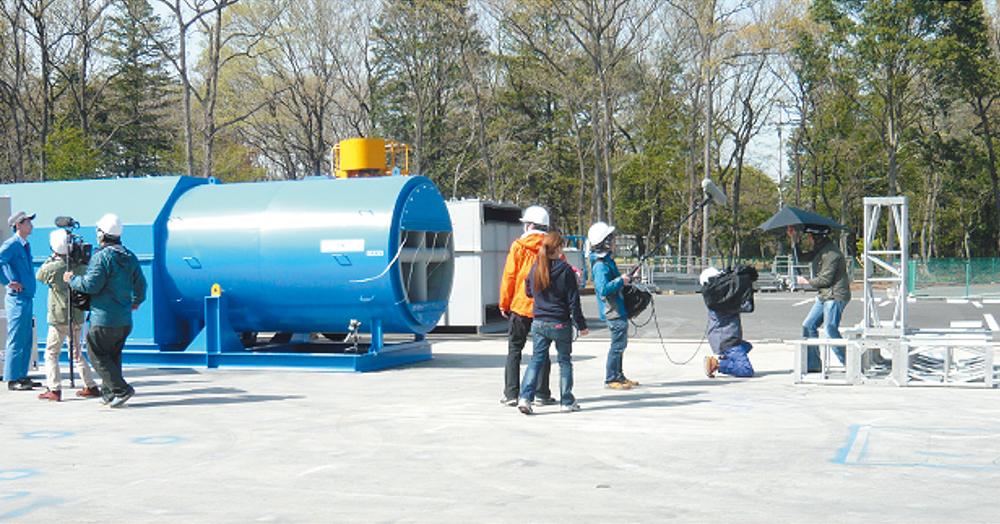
pixel 217 345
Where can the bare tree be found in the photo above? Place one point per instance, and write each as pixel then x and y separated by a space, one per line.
pixel 703 26
pixel 13 86
pixel 749 92
pixel 86 21
pixel 221 48
pixel 51 35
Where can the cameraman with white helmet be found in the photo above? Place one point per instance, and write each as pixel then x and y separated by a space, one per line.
pixel 609 283
pixel 51 273
pixel 116 286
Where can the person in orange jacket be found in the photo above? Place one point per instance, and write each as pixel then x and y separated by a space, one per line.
pixel 517 307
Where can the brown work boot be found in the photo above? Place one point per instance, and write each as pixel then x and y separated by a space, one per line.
pixel 631 383
pixel 54 396
pixel 711 366
pixel 92 391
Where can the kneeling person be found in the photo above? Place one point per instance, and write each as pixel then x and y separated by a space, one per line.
pixel 727 295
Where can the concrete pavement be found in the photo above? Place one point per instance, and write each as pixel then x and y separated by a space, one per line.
pixel 430 443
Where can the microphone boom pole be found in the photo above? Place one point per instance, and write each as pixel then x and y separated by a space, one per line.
pixel 712 192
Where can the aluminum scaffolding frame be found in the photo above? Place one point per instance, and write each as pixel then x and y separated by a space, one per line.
pixel 885 265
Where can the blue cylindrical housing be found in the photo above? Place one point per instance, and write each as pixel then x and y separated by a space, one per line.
pixel 310 255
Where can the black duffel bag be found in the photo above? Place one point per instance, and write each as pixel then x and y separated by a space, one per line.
pixel 79 300
pixel 637 299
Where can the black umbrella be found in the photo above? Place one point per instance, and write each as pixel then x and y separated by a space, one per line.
pixel 789 216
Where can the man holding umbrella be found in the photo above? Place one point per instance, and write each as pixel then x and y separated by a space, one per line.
pixel 830 279
pixel 829 269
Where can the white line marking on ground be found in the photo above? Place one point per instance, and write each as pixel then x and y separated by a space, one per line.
pixel 883 303
pixel 978 304
pixel 320 468
pixel 958 301
pixel 858 446
pixel 991 322
pixel 797 304
pixel 991 301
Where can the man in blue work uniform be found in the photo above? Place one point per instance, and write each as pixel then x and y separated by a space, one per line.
pixel 116 287
pixel 17 274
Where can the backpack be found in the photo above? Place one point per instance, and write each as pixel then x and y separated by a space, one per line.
pixel 731 290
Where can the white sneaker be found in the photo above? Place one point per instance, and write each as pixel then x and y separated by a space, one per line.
pixel 570 408
pixel 524 406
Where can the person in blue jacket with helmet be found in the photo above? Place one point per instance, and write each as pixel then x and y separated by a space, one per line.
pixel 116 286
pixel 608 285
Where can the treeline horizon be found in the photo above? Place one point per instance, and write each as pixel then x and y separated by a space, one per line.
pixel 609 110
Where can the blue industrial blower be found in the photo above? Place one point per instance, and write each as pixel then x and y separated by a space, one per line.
pixel 268 274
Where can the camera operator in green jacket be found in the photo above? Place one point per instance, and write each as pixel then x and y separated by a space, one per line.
pixel 51 273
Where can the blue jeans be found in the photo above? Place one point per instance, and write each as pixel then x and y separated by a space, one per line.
pixel 19 346
pixel 543 334
pixel 735 361
pixel 517 335
pixel 619 339
pixel 824 313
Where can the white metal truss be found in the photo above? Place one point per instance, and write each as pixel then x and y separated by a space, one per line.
pixel 886 256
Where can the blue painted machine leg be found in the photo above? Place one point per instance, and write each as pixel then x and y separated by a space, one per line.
pixel 218 336
pixel 376 336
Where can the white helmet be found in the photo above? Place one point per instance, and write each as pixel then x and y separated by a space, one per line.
pixel 598 232
pixel 707 274
pixel 110 225
pixel 58 242
pixel 536 215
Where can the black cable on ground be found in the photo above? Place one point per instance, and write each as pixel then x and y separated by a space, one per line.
pixel 659 334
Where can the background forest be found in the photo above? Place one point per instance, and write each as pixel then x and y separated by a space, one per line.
pixel 598 109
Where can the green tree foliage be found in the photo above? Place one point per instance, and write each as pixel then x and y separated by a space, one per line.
pixel 966 67
pixel 70 155
pixel 141 93
pixel 418 75
pixel 597 110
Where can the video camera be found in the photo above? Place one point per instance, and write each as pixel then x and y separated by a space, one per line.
pixel 78 251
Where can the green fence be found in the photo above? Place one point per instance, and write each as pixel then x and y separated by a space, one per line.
pixel 955 277
pixel 939 277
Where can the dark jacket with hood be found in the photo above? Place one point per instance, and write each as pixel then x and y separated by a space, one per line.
pixel 830 270
pixel 115 283
pixel 560 302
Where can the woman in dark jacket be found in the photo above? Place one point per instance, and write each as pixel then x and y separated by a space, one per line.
pixel 553 285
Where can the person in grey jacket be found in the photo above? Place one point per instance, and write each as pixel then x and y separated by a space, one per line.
pixel 830 279
pixel 116 286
